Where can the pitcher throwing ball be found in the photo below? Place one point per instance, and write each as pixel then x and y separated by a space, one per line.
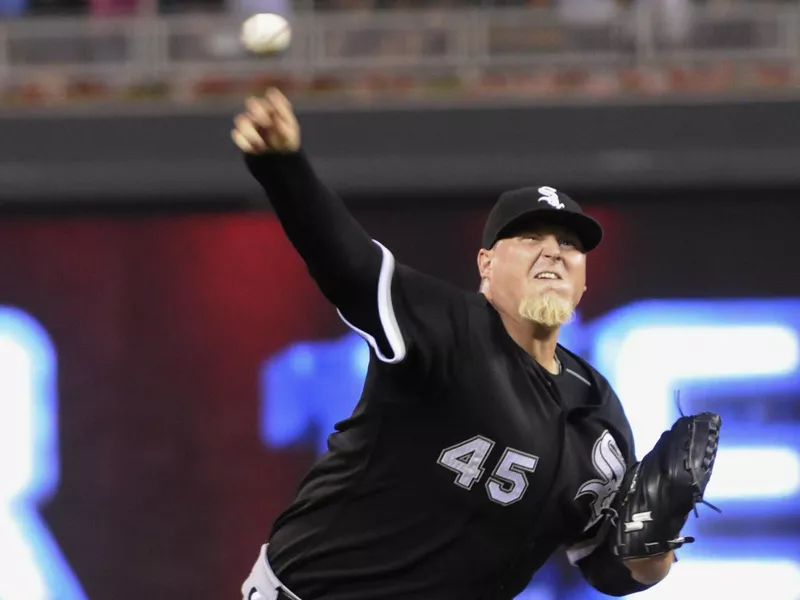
pixel 480 446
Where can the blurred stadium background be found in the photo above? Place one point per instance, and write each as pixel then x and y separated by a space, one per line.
pixel 168 372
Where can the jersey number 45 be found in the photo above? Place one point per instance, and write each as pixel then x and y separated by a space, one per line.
pixel 509 479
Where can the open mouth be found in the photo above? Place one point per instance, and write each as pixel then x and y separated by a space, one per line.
pixel 547 275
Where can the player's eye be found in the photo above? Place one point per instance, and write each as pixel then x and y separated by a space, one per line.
pixel 568 242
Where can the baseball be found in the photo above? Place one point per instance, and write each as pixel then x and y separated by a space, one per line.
pixel 266 33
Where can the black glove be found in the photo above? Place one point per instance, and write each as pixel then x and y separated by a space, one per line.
pixel 658 493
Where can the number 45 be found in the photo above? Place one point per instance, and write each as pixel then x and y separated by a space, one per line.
pixel 509 479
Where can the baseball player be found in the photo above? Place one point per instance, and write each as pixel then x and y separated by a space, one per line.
pixel 479 446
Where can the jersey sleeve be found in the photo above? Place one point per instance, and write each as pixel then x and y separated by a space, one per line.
pixel 598 565
pixel 593 537
pixel 403 315
pixel 415 316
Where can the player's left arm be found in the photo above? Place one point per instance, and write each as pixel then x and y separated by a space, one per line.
pixel 602 568
pixel 654 500
pixel 650 570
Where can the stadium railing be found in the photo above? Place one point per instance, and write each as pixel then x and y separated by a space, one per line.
pixel 452 55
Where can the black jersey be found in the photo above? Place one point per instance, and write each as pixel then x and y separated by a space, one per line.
pixel 465 464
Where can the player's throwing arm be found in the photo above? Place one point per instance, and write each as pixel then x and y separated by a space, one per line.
pixel 344 261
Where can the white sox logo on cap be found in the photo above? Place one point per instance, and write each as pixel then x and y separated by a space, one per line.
pixel 550 196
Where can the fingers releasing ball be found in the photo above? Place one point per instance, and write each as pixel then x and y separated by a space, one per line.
pixel 266 33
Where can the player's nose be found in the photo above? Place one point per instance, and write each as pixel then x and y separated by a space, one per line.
pixel 551 247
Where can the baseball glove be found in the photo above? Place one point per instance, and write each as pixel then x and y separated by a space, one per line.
pixel 658 493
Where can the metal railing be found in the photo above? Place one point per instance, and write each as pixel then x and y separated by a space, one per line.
pixel 342 51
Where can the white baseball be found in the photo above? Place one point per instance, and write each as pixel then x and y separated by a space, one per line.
pixel 266 33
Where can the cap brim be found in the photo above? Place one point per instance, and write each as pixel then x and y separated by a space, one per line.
pixel 589 231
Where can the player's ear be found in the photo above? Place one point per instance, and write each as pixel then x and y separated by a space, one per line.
pixel 484 263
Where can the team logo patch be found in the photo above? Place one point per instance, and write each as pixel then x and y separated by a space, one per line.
pixel 609 463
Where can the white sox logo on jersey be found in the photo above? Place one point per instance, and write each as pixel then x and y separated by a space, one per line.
pixel 609 463
pixel 550 196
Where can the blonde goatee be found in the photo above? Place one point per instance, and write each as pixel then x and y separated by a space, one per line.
pixel 548 310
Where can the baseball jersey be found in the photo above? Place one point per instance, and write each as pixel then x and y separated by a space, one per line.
pixel 465 465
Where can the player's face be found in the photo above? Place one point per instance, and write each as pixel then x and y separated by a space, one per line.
pixel 542 264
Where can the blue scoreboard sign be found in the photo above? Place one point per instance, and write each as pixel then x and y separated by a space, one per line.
pixel 32 567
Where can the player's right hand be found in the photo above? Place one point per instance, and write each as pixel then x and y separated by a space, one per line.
pixel 268 124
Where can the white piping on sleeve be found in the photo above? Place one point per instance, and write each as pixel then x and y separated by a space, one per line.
pixel 386 313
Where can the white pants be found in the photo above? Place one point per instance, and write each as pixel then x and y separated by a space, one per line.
pixel 264 581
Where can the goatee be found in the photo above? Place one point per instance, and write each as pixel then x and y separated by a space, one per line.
pixel 548 310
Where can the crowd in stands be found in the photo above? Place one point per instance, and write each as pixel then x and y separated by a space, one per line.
pixel 397 63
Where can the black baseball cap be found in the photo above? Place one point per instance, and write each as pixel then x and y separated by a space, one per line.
pixel 532 205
